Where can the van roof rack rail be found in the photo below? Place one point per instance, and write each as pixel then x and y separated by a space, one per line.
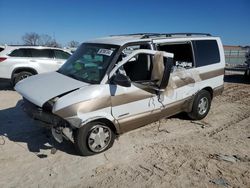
pixel 174 34
pixel 188 34
pixel 149 35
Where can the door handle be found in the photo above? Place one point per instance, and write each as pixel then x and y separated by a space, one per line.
pixel 32 60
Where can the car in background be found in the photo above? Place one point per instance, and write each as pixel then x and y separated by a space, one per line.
pixel 247 71
pixel 19 62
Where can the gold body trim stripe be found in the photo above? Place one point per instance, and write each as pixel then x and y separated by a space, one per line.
pixel 211 74
pixel 130 97
pixel 84 107
pixel 138 120
pixel 104 102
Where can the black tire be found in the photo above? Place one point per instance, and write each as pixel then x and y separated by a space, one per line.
pixel 82 138
pixel 203 97
pixel 20 76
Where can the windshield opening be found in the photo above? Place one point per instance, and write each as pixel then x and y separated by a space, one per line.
pixel 89 63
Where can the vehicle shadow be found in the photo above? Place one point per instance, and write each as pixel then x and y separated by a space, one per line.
pixel 182 116
pixel 16 126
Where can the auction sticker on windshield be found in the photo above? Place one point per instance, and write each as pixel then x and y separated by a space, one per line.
pixel 105 52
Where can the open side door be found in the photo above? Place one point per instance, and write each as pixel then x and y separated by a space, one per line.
pixel 135 102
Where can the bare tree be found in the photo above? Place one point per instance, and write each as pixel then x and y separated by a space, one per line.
pixel 31 38
pixel 73 44
pixel 44 40
pixel 53 43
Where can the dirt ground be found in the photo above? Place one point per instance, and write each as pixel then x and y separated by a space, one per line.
pixel 174 152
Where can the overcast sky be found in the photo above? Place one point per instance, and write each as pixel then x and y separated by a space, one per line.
pixel 68 20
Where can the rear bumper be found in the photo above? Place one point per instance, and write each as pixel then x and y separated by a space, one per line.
pixel 50 120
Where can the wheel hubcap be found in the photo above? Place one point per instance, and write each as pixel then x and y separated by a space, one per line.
pixel 99 138
pixel 203 105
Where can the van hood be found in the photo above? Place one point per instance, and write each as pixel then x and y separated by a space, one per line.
pixel 40 88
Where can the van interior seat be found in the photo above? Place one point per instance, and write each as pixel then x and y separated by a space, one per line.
pixel 138 70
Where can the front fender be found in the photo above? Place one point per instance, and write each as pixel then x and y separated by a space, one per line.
pixel 76 122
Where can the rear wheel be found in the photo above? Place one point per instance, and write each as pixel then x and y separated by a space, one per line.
pixel 93 138
pixel 201 105
pixel 20 76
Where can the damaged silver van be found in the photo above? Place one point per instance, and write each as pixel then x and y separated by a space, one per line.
pixel 115 84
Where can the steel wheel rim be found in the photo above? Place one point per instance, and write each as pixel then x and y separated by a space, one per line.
pixel 99 138
pixel 203 106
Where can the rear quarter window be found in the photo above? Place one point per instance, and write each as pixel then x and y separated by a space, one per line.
pixel 1 49
pixel 206 52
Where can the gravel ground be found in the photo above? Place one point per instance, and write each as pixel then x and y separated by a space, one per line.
pixel 174 152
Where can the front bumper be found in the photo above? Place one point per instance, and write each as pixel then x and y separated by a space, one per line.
pixel 37 113
pixel 60 128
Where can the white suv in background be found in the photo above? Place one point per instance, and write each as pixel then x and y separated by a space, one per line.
pixel 19 62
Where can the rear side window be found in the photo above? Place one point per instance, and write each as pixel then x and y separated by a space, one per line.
pixel 45 53
pixel 183 54
pixel 206 52
pixel 61 54
pixel 1 49
pixel 20 53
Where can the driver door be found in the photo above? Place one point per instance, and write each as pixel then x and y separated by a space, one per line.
pixel 130 105
pixel 138 104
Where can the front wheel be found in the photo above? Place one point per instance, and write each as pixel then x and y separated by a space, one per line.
pixel 20 76
pixel 201 105
pixel 93 138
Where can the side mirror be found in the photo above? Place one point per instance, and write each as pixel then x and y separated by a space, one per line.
pixel 120 79
pixel 168 64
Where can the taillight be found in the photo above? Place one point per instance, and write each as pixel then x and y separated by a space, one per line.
pixel 2 59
